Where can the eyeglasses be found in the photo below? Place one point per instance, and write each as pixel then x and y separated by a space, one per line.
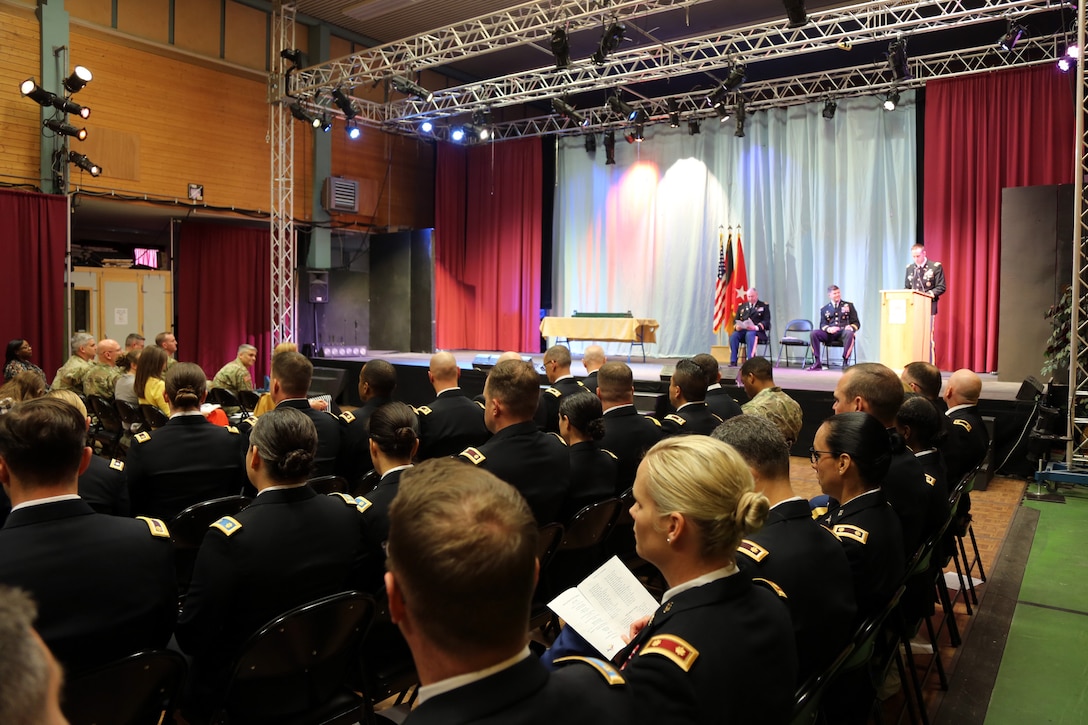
pixel 814 455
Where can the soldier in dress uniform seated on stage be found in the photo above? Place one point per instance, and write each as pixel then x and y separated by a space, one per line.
pixel 452 421
pixel 687 393
pixel 462 569
pixel 189 459
pixel 557 367
pixel 289 547
pixel 718 399
pixel 534 462
pixel 103 485
pixel 627 433
pixel 592 468
pixel 104 585
pixel 802 558
pixel 377 381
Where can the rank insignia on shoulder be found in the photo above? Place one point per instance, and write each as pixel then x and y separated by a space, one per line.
pixel 674 418
pixel 343 497
pixel 850 532
pixel 752 549
pixel 770 585
pixel 474 456
pixel 479 404
pixel 117 465
pixel 142 437
pixel 672 648
pixel 554 392
pixel 558 437
pixel 423 410
pixel 605 669
pixel 347 417
pixel 655 420
pixel 819 512
pixel 362 503
pixel 228 525
pixel 963 424
pixel 251 421
pixel 931 480
pixel 580 384
pixel 614 457
pixel 156 526
pixel 232 429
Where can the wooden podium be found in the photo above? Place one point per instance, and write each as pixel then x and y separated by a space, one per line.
pixel 906 327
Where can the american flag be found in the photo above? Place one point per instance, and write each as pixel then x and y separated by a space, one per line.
pixel 721 288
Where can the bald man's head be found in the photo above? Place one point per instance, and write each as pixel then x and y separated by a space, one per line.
pixel 443 367
pixel 508 355
pixel 593 358
pixel 964 388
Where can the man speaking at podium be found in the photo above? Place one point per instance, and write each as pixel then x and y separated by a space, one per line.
pixel 925 276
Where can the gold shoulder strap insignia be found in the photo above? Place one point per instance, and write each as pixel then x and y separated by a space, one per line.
pixel 962 424
pixel 605 669
pixel 554 392
pixel 614 456
pixel 479 404
pixel 856 533
pixel 931 480
pixel 752 549
pixel 819 512
pixel 157 527
pixel 343 497
pixel 655 420
pixel 580 384
pixel 672 648
pixel 347 417
pixel 142 437
pixel 558 437
pixel 362 504
pixel 117 465
pixel 423 410
pixel 232 429
pixel 774 587
pixel 675 419
pixel 228 525
pixel 252 420
pixel 473 455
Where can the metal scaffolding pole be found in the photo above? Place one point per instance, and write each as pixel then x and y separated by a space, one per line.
pixel 281 138
pixel 1077 447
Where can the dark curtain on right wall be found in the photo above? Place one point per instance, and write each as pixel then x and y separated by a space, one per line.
pixel 983 133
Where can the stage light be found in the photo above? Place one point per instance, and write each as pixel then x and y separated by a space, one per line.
pixel 36 93
pixel 638 116
pixel 65 130
pixel 80 77
pixel 483 133
pixel 560 48
pixel 426 127
pixel 674 113
pixel 566 110
pixel 891 101
pixel 591 143
pixel 1013 33
pixel 323 122
pixel 844 44
pixel 481 124
pixel 1073 51
pixel 610 40
pixel 897 59
pixel 795 11
pixel 736 77
pixel 1065 64
pixel 343 103
pixel 829 109
pixel 410 88
pixel 717 96
pixel 70 106
pixel 635 135
pixel 84 163
pixel 742 115
pixel 353 131
pixel 621 107
pixel 693 127
pixel 610 148
pixel 457 134
pixel 294 55
pixel 723 113
pixel 300 114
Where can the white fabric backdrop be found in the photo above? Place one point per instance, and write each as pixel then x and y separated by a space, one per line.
pixel 818 202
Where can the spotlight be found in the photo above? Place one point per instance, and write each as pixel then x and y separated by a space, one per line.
pixel 844 45
pixel 723 113
pixel 426 127
pixel 622 107
pixel 674 113
pixel 343 103
pixel 829 109
pixel 742 115
pixel 36 93
pixel 610 148
pixel 1073 51
pixel 410 88
pixel 560 48
pixel 693 127
pixel 300 114
pixel 610 40
pixel 638 116
pixel 1065 64
pixel 891 100
pixel 735 78
pixel 718 96
pixel 481 124
pixel 591 143
pixel 483 133
pixel 80 77
pixel 84 163
pixel 795 11
pixel 1012 36
pixel 294 55
pixel 457 134
pixel 565 109
pixel 65 130
pixel 897 59
pixel 69 106
pixel 353 131
pixel 323 122
pixel 635 135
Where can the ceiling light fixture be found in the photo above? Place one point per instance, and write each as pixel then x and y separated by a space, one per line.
pixel 344 103
pixel 410 88
pixel 891 100
pixel 323 122
pixel 560 48
pixel 742 115
pixel 567 111
pixel 736 77
pixel 723 112
pixel 610 40
pixel 795 11
pixel 674 113
pixel 897 59
pixel 300 114
pixel 610 148
pixel 84 163
pixel 829 109
pixel 426 127
pixel 621 107
pixel 294 56
pixel 353 130
pixel 1013 33
pixel 36 93
pixel 693 127
pixel 591 143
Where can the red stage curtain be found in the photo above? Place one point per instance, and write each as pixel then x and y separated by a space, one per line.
pixel 487 246
pixel 983 133
pixel 224 295
pixel 33 238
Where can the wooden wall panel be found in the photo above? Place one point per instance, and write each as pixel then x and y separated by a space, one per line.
pixel 407 199
pixel 246 40
pixel 145 18
pixel 196 26
pixel 20 143
pixel 99 12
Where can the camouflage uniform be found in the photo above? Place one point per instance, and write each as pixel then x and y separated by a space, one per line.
pixel 234 376
pixel 70 376
pixel 101 379
pixel 779 408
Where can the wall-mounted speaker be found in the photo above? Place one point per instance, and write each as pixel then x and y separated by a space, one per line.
pixel 318 287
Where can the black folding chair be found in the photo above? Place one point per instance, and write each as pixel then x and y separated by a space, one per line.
pixel 140 689
pixel 328 484
pixel 788 341
pixel 131 416
pixel 154 417
pixel 187 530
pixel 110 427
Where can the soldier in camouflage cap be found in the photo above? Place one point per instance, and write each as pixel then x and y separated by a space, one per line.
pixel 767 399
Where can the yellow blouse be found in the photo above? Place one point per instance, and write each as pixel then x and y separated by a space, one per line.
pixel 155 394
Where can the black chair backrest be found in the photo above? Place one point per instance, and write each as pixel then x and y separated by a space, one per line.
pixel 136 690
pixel 249 399
pixel 130 414
pixel 225 398
pixel 187 529
pixel 590 525
pixel 551 535
pixel 806 705
pixel 328 484
pixel 154 417
pixel 799 325
pixel 299 661
pixel 108 417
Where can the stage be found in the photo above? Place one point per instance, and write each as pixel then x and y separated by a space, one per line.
pixel 811 389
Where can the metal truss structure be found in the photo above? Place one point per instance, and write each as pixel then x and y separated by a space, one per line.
pixel 1077 448
pixel 281 139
